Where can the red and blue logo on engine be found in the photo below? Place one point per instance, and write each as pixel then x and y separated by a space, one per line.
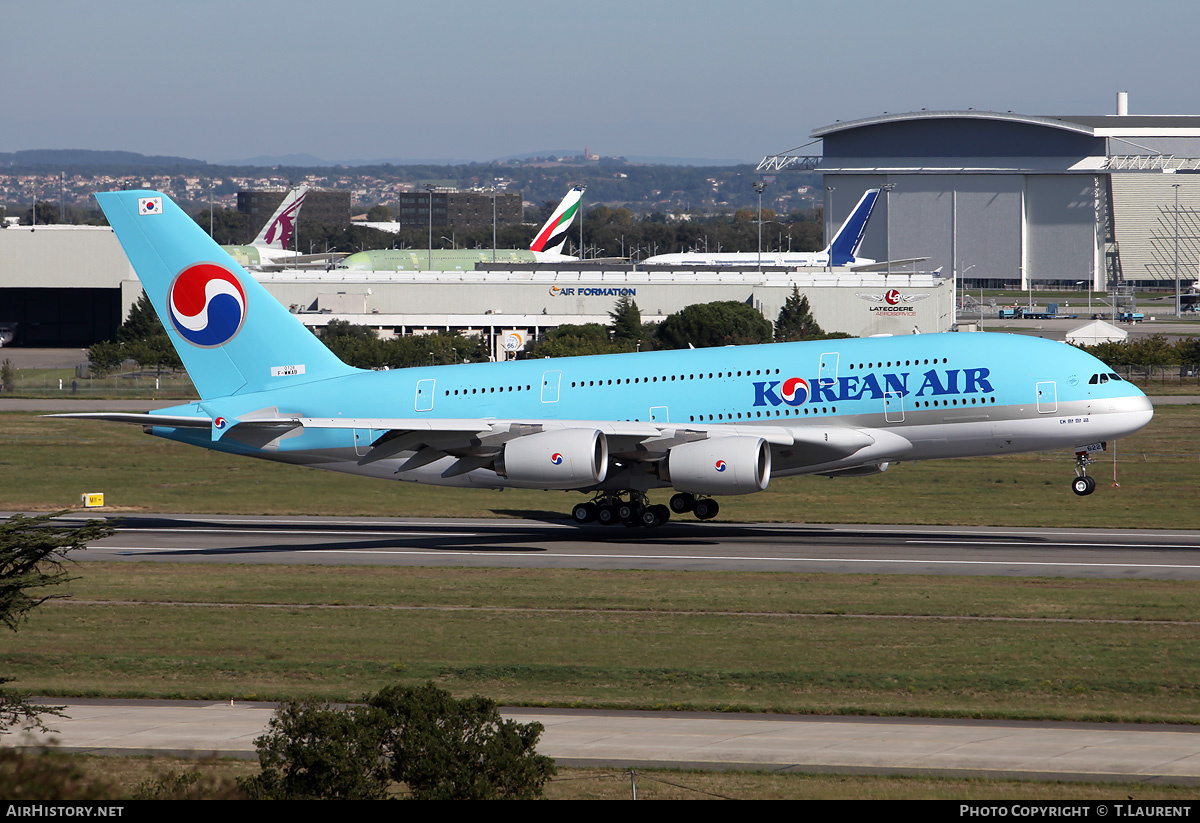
pixel 720 465
pixel 556 459
pixel 207 305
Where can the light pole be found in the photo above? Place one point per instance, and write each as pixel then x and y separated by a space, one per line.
pixel 429 187
pixel 760 187
pixel 962 277
pixel 1177 301
pixel 887 207
pixel 581 191
pixel 828 217
pixel 493 220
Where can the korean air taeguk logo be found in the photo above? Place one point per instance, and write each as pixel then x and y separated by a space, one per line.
pixel 794 391
pixel 207 305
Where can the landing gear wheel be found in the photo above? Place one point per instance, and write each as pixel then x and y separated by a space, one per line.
pixel 683 502
pixel 1083 485
pixel 584 513
pixel 607 515
pixel 654 516
pixel 626 511
pixel 706 509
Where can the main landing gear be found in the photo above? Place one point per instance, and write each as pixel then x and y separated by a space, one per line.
pixel 1083 484
pixel 634 509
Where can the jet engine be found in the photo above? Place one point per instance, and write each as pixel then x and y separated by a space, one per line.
pixel 560 459
pixel 721 465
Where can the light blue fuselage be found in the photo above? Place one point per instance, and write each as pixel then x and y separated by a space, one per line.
pixel 950 395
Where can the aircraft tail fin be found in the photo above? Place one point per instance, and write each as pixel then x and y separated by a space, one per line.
pixel 844 246
pixel 553 236
pixel 231 334
pixel 278 231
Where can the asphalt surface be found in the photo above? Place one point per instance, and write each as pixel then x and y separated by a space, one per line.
pixel 682 544
pixel 863 745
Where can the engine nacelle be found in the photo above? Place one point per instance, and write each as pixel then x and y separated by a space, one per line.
pixel 721 465
pixel 560 459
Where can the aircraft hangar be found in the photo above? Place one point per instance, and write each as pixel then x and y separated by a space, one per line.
pixel 1000 199
pixel 72 286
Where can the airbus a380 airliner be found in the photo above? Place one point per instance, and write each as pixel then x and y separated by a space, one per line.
pixel 706 422
pixel 841 251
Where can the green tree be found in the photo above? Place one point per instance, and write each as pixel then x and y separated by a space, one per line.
pixel 436 745
pixel 723 323
pixel 141 322
pixel 144 340
pixel 1188 351
pixel 379 214
pixel 8 376
pixel 229 226
pixel 443 748
pixel 312 751
pixel 32 555
pixel 574 341
pixel 105 357
pixel 626 320
pixel 796 321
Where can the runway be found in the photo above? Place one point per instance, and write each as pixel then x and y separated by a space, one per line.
pixel 682 545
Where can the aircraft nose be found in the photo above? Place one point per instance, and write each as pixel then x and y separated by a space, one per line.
pixel 1136 410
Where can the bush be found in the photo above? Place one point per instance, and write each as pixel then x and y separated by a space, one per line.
pixel 312 751
pixel 440 747
pixel 448 749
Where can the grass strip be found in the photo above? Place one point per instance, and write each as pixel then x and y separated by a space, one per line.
pixel 599 657
pixel 127 774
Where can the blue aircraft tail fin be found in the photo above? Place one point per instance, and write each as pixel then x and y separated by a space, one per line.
pixel 231 334
pixel 844 247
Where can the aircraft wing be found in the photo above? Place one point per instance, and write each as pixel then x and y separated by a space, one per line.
pixel 477 441
pixel 303 261
pixel 883 264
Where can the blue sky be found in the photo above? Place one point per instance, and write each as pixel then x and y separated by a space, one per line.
pixel 219 80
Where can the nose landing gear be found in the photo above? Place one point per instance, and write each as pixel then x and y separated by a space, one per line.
pixel 1083 484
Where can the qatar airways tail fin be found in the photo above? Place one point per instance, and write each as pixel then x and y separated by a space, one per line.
pixel 278 231
pixel 553 236
pixel 231 334
pixel 843 249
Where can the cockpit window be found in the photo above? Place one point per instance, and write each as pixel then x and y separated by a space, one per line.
pixel 1104 378
pixel 1095 379
pixel 1112 376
